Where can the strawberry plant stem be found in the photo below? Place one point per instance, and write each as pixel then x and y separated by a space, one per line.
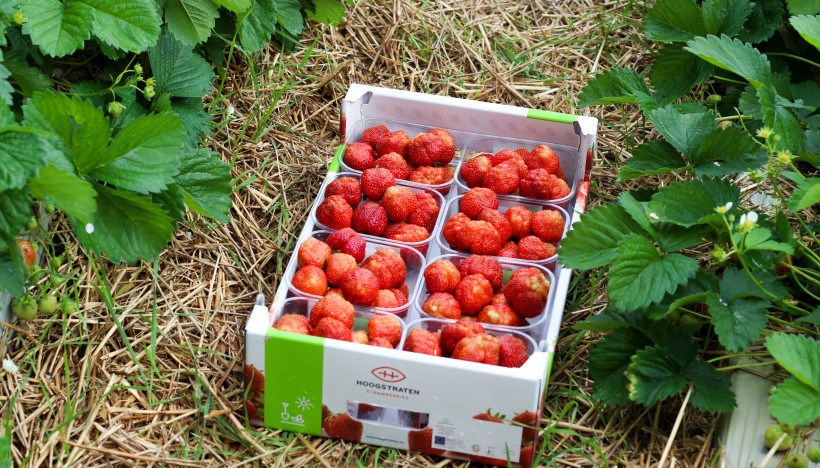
pixel 745 366
pixel 795 57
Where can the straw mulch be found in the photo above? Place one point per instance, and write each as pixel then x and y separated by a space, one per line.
pixel 90 393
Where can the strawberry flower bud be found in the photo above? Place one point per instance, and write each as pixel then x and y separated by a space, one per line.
pixel 18 18
pixel 148 92
pixel 764 132
pixel 115 108
pixel 138 69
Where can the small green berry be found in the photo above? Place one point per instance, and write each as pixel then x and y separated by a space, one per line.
pixel 48 304
pixel 138 69
pixel 788 428
pixel 56 262
pixel 24 307
pixel 713 99
pixel 149 93
pixel 814 454
pixel 797 460
pixel 50 209
pixel 773 433
pixel 67 306
pixel 18 18
pixel 32 223
pixel 115 108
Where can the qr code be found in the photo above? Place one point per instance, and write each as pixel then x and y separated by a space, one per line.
pixel 439 440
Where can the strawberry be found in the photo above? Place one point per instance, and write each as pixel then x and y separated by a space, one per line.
pixel 387 327
pixel 441 276
pixel 310 279
pixel 499 222
pixel 396 164
pixel 548 225
pixel 473 293
pixel 452 230
pixel 24 307
pixel 500 314
pixel 431 175
pixel 481 348
pixel 334 306
pixel 348 241
pixel 348 188
pixel 520 220
pixel 525 460
pixel 527 419
pixel 326 413
pixel 360 336
pixel 527 291
pixel 560 174
pixel 503 156
pixel 425 201
pixel 381 343
pixel 449 145
pixel 359 156
pixel 508 250
pixel 337 265
pixel 512 352
pixel 480 237
pixel 387 299
pixel 533 248
pixel 28 253
pixel 48 304
pixel 294 323
pixel 375 181
pixel 477 199
pixel 422 341
pixel 370 218
pixel 500 298
pixel 388 266
pixel 342 426
pixel 422 441
pixel 373 134
pixel 424 217
pixel 393 142
pixel 313 252
pixel 489 417
pixel 473 171
pixel 405 290
pixel 544 157
pixel 334 212
pixel 452 333
pixel 337 291
pixel 360 286
pixel 254 380
pixel 398 202
pixel 558 188
pixel 442 305
pixel 536 184
pixel 512 159
pixel 502 179
pixel 401 296
pixel 404 232
pixel 426 149
pixel 329 327
pixel 488 267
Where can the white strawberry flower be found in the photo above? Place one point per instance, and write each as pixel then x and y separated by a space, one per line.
pixel 748 220
pixel 725 208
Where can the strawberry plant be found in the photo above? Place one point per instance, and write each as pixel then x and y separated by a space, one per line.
pixel 696 265
pixel 102 118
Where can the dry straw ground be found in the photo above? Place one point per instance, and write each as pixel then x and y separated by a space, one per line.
pixel 99 389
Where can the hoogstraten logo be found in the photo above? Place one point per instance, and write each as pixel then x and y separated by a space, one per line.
pixel 388 375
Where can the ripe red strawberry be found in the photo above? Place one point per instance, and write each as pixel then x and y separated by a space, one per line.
pixel 473 293
pixel 360 336
pixel 337 265
pixel 560 174
pixel 348 241
pixel 452 230
pixel 401 294
pixel 476 199
pixel 426 201
pixel 452 333
pixel 473 171
pixel 342 426
pixel 360 286
pixel 424 217
pixel 512 353
pixel 520 220
pixel 449 145
pixel 404 232
pixel 503 155
pixel 373 134
pixel 335 306
pixel 499 222
pixel 500 314
pixel 310 279
pixel 558 188
pixel 480 237
pixel 431 175
pixel 533 248
pixel 422 341
pixel 489 417
pixel 398 202
pixel 425 149
pixel 442 305
pixel 508 250
pixel 359 156
pixel 422 441
pixel 525 460
pixel 370 218
pixel 548 225
pixel 386 327
pixel 347 187
pixel 381 343
pixel 294 323
pixel 527 419
pixel 387 299
pixel 326 413
pixel 388 266
pixel 527 291
pixel 488 267
pixel 478 348
pixel 511 158
pixel 335 291
pixel 334 212
pixel 28 253
pixel 544 157
pixel 502 179
pixel 536 184
pixel 329 327
pixel 393 142
pixel 313 252
pixel 375 181
pixel 500 298
pixel 442 276
pixel 396 164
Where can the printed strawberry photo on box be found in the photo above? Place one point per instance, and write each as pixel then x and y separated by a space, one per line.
pixel 338 381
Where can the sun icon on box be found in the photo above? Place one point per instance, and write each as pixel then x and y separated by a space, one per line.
pixel 304 403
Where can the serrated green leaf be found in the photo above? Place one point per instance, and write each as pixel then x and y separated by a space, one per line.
pixel 236 6
pixel 725 16
pixel 806 91
pixel 179 71
pixel 15 211
pixel 608 320
pixel 608 361
pixel 618 85
pixel 694 201
pixel 327 12
pixel 197 122
pixel 808 27
pixel 640 275
pixel 672 237
pixel 172 201
pixel 761 239
pixel 654 376
pixel 733 55
pixel 595 240
pixel 7 117
pixel 728 150
pixel 684 131
pixel 693 292
pixel 652 158
pixel 793 402
pixel 674 20
pixel 206 183
pixel 765 17
pixel 5 87
pixel 636 210
pixel 12 280
pixel 711 390
pixel 131 25
pixel 798 354
pixel 813 318
pixel 804 7
pixel 56 28
pixel 777 116
pixel 288 14
pixel 737 322
pixel 127 227
pixel 256 25
pixel 21 154
pixel 29 79
pixel 70 193
pixel 190 21
pixel 666 74
pixel 144 156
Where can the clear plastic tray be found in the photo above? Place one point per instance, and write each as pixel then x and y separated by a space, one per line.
pixel 435 325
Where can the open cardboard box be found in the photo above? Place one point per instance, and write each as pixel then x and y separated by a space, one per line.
pixel 401 399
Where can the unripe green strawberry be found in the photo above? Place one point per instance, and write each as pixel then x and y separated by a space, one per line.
pixel 24 308
pixel 67 306
pixel 115 108
pixel 32 223
pixel 56 262
pixel 48 304
pixel 138 69
pixel 713 99
pixel 797 460
pixel 788 428
pixel 814 454
pixel 773 433
pixel 18 18
pixel 149 92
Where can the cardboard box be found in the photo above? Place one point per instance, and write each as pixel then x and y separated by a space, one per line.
pixel 401 399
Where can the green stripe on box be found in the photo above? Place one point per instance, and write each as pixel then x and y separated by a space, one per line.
pixel 293 381
pixel 550 356
pixel 551 116
pixel 334 164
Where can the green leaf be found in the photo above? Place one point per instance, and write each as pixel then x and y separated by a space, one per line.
pixel 131 25
pixel 618 85
pixel 144 156
pixel 674 20
pixel 21 154
pixel 595 240
pixel 29 79
pixel 608 320
pixel 793 402
pixel 70 193
pixel 640 275
pixel 654 375
pixel 197 122
pixel 651 158
pixel 728 150
pixel 798 354
pixel 190 21
pixel 12 281
pixel 684 131
pixel 763 21
pixel 172 201
pixel 57 28
pixel 804 7
pixel 807 194
pixel 15 211
pixel 666 74
pixel 725 16
pixel 236 6
pixel 672 237
pixel 693 292
pixel 127 227
pixel 778 117
pixel 733 55
pixel 178 70
pixel 256 25
pixel 6 90
pixel 711 390
pixel 694 201
pixel 813 318
pixel 608 361
pixel 206 183
pixel 808 27
pixel 288 14
pixel 327 12
pixel 761 239
pixel 737 322
pixel 637 210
